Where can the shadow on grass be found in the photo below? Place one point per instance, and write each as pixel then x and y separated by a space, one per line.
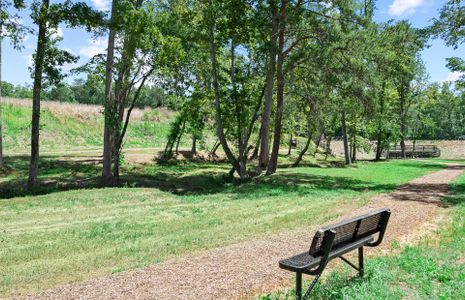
pixel 181 178
pixel 457 194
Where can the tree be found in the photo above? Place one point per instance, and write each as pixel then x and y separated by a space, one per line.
pixel 270 80
pixel 450 27
pixel 145 49
pixel 407 66
pixel 48 59
pixel 241 92
pixel 109 102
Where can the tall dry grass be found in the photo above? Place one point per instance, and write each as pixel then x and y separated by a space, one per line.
pixel 82 111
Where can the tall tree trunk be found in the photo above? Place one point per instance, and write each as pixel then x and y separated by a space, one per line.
pixel 354 149
pixel 345 138
pixel 379 140
pixel 2 164
pixel 354 139
pixel 266 116
pixel 402 123
pixel 280 92
pixel 35 124
pixel 216 88
pixel 109 103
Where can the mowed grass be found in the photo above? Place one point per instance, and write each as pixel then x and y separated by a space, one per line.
pixel 168 211
pixel 432 269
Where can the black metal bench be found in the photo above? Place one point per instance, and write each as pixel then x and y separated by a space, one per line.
pixel 334 241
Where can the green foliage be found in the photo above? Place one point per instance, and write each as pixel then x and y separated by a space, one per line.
pixel 449 26
pixel 12 26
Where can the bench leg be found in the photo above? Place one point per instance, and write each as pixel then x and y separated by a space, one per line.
pixel 310 288
pixel 298 286
pixel 360 261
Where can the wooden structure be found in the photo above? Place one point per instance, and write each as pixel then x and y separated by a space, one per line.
pixel 413 151
pixel 333 242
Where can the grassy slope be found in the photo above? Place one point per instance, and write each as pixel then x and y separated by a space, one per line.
pixel 74 235
pixel 62 131
pixel 433 269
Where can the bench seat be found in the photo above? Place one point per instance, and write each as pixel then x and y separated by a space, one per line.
pixel 304 261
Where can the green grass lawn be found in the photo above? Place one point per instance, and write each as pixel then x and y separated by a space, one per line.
pixel 433 269
pixel 167 211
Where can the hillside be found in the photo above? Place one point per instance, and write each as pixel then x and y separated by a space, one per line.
pixel 66 126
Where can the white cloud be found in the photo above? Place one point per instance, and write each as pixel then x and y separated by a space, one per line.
pixel 101 4
pixel 94 47
pixel 400 7
pixel 453 76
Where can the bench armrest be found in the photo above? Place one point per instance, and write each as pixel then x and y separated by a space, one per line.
pixel 383 226
pixel 328 245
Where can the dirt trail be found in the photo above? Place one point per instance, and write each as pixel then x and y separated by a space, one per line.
pixel 244 269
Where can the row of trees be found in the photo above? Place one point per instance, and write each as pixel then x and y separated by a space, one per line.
pixel 251 71
pixel 87 91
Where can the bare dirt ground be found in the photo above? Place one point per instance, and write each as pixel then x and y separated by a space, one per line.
pixel 243 270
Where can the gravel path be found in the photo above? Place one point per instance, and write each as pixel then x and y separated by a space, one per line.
pixel 245 269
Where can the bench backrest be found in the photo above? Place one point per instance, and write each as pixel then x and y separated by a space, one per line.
pixel 352 230
pixel 418 148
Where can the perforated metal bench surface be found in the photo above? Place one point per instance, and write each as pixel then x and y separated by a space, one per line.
pixel 304 261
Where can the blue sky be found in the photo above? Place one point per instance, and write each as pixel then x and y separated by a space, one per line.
pixel 79 42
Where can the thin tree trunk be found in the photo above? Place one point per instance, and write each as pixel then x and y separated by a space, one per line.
pixel 181 132
pixel 414 146
pixel 35 124
pixel 354 149
pixel 327 147
pixel 2 164
pixel 214 149
pixel 273 164
pixel 109 105
pixel 379 148
pixel 345 138
pixel 266 116
pixel 289 151
pixel 256 150
pixel 354 139
pixel 304 150
pixel 317 144
pixel 194 145
pixel 402 123
pixel 216 88
pixel 242 134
